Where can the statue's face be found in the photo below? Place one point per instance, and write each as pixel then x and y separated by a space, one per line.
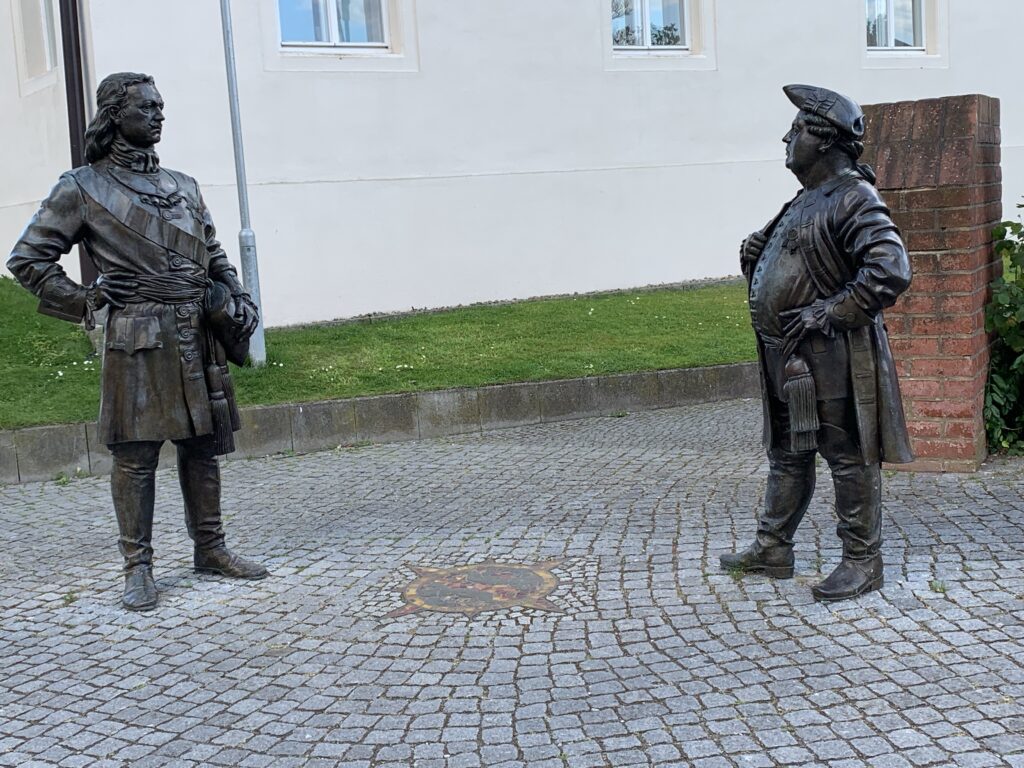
pixel 141 120
pixel 803 148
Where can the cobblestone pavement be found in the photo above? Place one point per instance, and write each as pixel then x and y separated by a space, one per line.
pixel 656 660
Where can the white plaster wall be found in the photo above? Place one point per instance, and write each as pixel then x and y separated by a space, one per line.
pixel 507 162
pixel 34 146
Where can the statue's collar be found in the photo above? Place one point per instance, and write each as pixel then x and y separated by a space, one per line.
pixel 134 159
pixel 833 184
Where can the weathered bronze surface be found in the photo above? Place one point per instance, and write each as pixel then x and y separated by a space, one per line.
pixel 820 273
pixel 161 273
pixel 487 586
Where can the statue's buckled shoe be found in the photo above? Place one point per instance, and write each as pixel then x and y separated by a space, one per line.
pixel 224 562
pixel 139 589
pixel 776 562
pixel 850 579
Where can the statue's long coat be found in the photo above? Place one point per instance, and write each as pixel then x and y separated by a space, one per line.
pixel 153 384
pixel 859 265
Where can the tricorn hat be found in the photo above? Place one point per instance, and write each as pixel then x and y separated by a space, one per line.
pixel 843 112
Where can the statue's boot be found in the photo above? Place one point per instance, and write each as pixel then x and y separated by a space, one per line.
pixel 789 491
pixel 199 475
pixel 133 487
pixel 774 561
pixel 859 509
pixel 139 589
pixel 850 579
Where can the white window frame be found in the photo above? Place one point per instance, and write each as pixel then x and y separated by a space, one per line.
pixel 698 54
pixel 399 54
pixel 934 55
pixel 890 11
pixel 27 82
pixel 645 17
pixel 329 18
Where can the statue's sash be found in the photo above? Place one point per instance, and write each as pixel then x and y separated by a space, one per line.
pixel 173 235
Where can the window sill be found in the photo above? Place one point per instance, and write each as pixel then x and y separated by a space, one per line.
pixel 653 60
pixel 29 85
pixel 894 59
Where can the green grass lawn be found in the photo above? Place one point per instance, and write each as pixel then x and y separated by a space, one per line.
pixel 48 376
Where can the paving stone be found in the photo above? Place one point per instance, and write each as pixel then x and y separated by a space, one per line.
pixel 652 658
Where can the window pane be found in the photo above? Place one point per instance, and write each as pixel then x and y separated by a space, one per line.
pixel 626 23
pixel 302 21
pixel 907 24
pixel 360 21
pixel 878 24
pixel 38 36
pixel 666 20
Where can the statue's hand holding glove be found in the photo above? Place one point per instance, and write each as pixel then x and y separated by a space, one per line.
pixel 109 290
pixel 750 250
pixel 249 312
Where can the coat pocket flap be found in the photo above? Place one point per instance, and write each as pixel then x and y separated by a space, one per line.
pixel 130 334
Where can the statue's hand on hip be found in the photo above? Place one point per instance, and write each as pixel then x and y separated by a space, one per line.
pixel 813 317
pixel 110 290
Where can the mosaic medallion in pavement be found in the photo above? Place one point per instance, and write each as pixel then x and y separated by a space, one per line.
pixel 486 586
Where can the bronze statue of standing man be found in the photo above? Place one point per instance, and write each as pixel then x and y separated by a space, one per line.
pixel 169 289
pixel 820 274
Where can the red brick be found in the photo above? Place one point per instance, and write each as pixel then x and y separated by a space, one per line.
pixel 943 366
pixel 969 429
pixel 989 193
pixel 962 117
pixel 979 215
pixel 915 388
pixel 914 346
pixel 901 122
pixel 942 409
pixel 921 163
pixel 988 174
pixel 945 325
pixel 943 197
pixel 898 324
pixel 989 134
pixel 917 220
pixel 919 304
pixel 963 390
pixel 958 161
pixel 929 117
pixel 925 428
pixel 958 283
pixel 944 448
pixel 964 345
pixel 989 154
pixel 961 304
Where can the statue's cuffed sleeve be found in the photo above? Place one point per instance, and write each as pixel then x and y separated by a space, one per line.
pixel 51 233
pixel 865 230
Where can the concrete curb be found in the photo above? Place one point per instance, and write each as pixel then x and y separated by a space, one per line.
pixel 46 453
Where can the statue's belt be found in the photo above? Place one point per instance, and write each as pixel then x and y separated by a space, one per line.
pixel 170 235
pixel 170 288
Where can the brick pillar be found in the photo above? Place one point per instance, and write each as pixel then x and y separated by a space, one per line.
pixel 938 169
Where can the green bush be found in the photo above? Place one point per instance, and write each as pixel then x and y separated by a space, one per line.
pixel 1004 315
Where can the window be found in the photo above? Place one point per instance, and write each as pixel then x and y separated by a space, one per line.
pixel 650 24
pixel 895 25
pixel 38 36
pixel 339 23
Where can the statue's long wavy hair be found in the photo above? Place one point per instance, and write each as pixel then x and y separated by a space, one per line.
pixel 111 97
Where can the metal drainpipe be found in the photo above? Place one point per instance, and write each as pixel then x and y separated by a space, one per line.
pixel 74 85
